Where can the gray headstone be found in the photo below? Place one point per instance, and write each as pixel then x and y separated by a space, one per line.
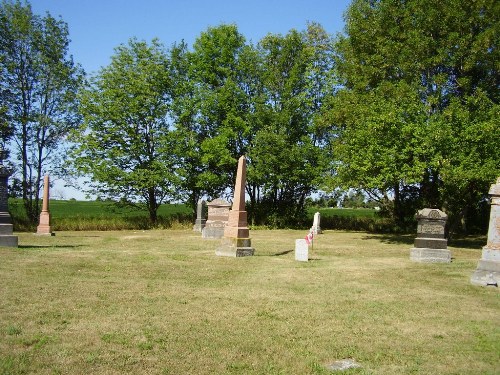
pixel 488 268
pixel 431 246
pixel 6 228
pixel 200 222
pixel 301 250
pixel 218 213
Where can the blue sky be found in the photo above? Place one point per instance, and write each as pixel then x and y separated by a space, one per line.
pixel 96 27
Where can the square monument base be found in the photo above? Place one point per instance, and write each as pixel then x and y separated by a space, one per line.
pixel 235 247
pixel 9 241
pixel 426 255
pixel 488 269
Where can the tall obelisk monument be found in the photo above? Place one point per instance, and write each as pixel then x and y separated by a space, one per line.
pixel 44 226
pixel 236 241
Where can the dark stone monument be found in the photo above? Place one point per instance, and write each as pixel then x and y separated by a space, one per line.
pixel 200 222
pixel 431 246
pixel 236 241
pixel 6 228
pixel 488 267
pixel 218 212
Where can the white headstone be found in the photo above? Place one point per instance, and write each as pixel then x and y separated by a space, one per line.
pixel 301 250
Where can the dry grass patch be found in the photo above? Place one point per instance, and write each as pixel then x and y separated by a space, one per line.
pixel 161 302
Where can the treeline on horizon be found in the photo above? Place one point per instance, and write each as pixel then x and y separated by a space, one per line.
pixel 402 107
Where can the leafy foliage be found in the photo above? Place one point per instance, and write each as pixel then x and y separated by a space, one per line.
pixel 417 117
pixel 124 140
pixel 38 85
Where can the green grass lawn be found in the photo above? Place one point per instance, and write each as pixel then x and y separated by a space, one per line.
pixel 161 302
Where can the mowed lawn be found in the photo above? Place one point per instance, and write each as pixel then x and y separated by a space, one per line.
pixel 161 302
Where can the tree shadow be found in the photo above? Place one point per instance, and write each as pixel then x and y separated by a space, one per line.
pixel 49 246
pixel 406 239
pixel 466 242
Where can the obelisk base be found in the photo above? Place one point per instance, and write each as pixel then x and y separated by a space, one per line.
pixel 199 224
pixel 43 228
pixel 235 247
pixel 488 269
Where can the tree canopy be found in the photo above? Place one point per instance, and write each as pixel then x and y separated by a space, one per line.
pixel 38 86
pixel 417 116
pixel 402 106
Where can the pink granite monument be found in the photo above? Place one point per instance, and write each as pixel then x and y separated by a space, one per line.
pixel 488 267
pixel 236 241
pixel 44 226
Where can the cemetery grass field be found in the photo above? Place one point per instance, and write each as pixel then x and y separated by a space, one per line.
pixel 161 302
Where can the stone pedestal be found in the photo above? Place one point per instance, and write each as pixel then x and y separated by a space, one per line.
pixel 236 241
pixel 488 267
pixel 44 224
pixel 7 237
pixel 200 222
pixel 316 228
pixel 431 246
pixel 218 213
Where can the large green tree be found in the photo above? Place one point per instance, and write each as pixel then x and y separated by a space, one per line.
pixel 212 109
pixel 124 143
pixel 38 86
pixel 288 156
pixel 417 115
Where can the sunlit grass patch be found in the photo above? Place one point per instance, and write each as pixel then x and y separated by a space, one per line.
pixel 160 301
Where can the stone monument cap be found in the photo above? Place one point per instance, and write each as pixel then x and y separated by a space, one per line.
pixel 219 202
pixel 495 188
pixel 431 213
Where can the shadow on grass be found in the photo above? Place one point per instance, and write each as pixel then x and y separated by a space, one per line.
pixel 407 239
pixel 27 247
pixel 468 242
pixel 282 253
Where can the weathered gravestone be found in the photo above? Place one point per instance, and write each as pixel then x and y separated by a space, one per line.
pixel 6 228
pixel 200 222
pixel 236 241
pixel 218 213
pixel 316 229
pixel 488 267
pixel 301 250
pixel 431 246
pixel 44 225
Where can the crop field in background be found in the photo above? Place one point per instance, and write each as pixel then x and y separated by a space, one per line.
pixel 161 302
pixel 104 215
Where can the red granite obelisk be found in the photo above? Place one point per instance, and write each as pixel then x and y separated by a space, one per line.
pixel 236 241
pixel 44 226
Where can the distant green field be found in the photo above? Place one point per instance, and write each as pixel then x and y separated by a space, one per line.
pixel 105 215
pixel 95 215
pixel 347 212
pixel 71 208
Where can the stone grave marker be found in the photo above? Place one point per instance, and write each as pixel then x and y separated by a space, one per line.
pixel 431 246
pixel 236 241
pixel 316 228
pixel 6 228
pixel 218 213
pixel 488 267
pixel 301 250
pixel 44 225
pixel 201 210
